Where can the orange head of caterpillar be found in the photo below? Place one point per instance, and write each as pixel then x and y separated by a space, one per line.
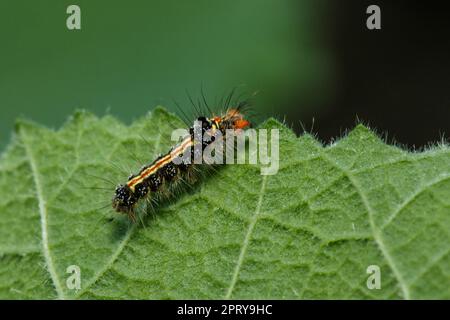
pixel 124 200
pixel 233 119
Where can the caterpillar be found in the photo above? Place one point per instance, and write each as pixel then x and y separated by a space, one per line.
pixel 154 180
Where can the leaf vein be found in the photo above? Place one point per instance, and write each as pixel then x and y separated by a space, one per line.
pixel 376 232
pixel 247 238
pixel 411 198
pixel 43 217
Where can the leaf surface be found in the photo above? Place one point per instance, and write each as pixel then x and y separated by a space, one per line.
pixel 309 231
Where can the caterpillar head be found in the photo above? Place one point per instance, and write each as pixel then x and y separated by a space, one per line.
pixel 233 119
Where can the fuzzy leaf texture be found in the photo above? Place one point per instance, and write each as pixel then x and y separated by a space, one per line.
pixel 310 231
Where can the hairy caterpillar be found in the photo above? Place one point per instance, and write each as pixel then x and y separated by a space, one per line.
pixel 154 180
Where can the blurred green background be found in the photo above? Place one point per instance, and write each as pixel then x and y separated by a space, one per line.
pixel 131 56
pixel 311 61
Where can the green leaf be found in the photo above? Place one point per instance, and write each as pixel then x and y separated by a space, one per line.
pixel 309 231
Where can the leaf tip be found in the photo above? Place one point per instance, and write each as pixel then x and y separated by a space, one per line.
pixel 272 123
pixel 361 128
pixel 159 110
pixel 363 132
pixel 22 123
pixel 162 112
pixel 80 115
